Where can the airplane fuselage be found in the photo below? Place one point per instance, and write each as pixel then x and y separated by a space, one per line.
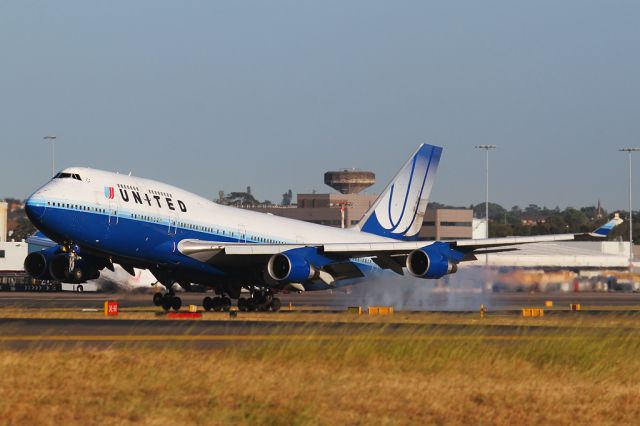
pixel 141 221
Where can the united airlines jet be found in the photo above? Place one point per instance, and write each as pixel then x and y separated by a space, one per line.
pixel 99 219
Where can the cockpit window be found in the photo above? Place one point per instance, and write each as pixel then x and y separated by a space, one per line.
pixel 63 175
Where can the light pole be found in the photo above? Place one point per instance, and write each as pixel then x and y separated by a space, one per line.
pixel 486 202
pixel 52 139
pixel 629 151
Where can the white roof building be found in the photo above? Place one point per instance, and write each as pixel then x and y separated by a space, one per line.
pixel 574 254
pixel 12 256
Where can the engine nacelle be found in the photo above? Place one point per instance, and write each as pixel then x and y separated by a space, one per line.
pixel 425 264
pixel 290 267
pixel 60 270
pixel 36 264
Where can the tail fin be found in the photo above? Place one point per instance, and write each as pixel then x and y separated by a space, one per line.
pixel 399 210
pixel 606 229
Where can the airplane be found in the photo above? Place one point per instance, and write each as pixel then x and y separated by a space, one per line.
pixel 99 218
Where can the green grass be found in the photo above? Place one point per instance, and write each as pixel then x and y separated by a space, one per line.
pixel 371 374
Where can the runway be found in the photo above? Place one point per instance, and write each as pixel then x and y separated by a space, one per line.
pixel 39 333
pixel 338 300
pixel 64 322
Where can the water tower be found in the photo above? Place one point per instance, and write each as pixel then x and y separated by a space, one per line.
pixel 350 181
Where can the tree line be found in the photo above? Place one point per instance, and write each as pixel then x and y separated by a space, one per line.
pixel 537 220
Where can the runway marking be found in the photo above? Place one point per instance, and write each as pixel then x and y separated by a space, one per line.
pixel 56 299
pixel 259 338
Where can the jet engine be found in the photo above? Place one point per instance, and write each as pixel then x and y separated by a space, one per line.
pixel 36 264
pixel 290 267
pixel 426 263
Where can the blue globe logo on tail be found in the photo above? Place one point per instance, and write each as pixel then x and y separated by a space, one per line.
pixel 399 211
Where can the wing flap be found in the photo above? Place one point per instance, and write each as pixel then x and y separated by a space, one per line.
pixel 387 262
pixel 343 270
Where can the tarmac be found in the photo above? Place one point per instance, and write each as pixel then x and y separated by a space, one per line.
pixel 43 333
pixel 33 332
pixel 336 300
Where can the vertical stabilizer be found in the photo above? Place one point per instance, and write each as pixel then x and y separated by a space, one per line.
pixel 399 210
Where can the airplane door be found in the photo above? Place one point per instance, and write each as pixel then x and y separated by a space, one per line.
pixel 173 224
pixel 173 230
pixel 113 211
pixel 242 233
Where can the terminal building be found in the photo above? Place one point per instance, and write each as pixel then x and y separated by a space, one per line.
pixel 12 253
pixel 348 205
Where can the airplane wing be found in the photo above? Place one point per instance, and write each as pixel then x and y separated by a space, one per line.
pixel 40 240
pixel 387 255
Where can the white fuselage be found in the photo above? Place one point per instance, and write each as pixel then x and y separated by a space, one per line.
pixel 165 208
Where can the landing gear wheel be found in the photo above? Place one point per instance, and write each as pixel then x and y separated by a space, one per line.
pixel 167 302
pixel 242 304
pixel 207 303
pixel 75 275
pixel 261 303
pixel 176 303
pixel 217 304
pixel 275 304
pixel 225 303
pixel 157 299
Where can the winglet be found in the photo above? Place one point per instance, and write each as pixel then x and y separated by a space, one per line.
pixel 606 229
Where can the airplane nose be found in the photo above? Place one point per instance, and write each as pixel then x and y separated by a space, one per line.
pixel 35 208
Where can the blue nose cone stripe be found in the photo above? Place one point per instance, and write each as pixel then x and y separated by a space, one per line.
pixel 35 211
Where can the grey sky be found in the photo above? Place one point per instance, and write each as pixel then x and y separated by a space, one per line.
pixel 220 95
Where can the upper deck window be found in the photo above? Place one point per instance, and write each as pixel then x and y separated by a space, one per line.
pixel 63 175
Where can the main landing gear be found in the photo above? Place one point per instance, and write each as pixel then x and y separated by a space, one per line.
pixel 217 304
pixel 168 301
pixel 260 302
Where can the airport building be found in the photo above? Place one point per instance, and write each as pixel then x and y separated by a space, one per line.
pixel 576 255
pixel 12 253
pixel 12 256
pixel 4 208
pixel 346 207
pixel 339 210
pixel 447 224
